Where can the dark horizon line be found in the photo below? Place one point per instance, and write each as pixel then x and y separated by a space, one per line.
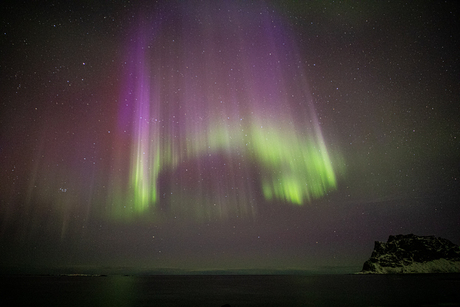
pixel 109 271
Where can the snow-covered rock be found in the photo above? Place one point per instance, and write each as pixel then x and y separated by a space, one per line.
pixel 413 254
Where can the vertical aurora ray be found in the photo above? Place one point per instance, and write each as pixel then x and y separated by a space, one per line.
pixel 138 131
pixel 141 168
pixel 219 116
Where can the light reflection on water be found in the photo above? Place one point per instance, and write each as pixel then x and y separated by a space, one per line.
pixel 239 290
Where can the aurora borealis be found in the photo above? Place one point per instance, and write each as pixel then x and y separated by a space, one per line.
pixel 217 135
pixel 178 114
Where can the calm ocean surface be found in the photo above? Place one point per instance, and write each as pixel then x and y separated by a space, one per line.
pixel 240 290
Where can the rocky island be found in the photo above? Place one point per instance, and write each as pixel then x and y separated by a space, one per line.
pixel 413 254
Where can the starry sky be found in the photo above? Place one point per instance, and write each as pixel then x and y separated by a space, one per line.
pixel 238 135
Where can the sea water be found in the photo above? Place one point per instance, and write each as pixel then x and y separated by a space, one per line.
pixel 236 290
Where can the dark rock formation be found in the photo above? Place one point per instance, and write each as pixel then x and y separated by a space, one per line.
pixel 413 254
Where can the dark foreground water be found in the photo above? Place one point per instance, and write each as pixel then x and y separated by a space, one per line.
pixel 321 290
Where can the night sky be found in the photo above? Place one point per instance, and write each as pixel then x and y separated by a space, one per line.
pixel 208 135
